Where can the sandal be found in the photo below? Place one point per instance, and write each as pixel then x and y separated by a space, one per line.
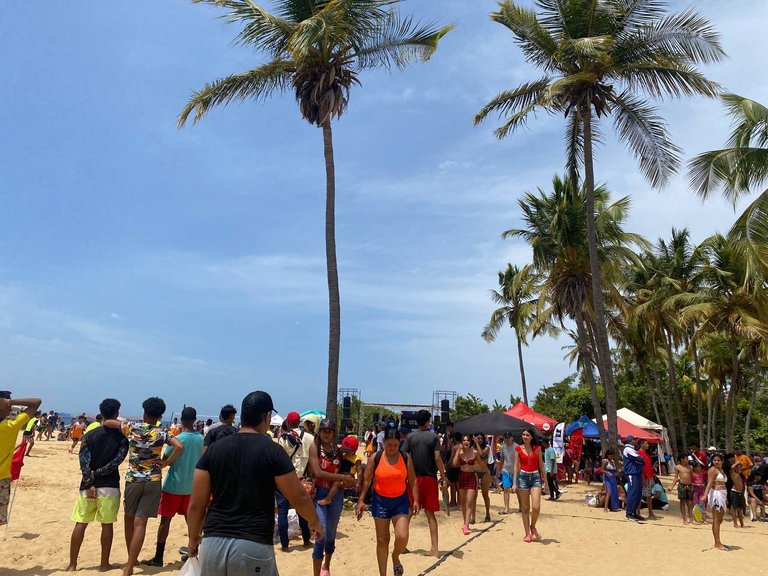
pixel 466 530
pixel 398 570
pixel 528 539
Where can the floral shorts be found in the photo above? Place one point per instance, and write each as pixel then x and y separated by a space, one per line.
pixel 5 499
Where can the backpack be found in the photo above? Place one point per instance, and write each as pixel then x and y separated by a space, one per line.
pixel 376 460
pixel 295 441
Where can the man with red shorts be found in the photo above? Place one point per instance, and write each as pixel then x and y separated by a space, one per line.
pixel 423 445
pixel 177 487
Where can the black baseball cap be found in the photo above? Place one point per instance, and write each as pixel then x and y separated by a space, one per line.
pixel 5 394
pixel 327 423
pixel 256 403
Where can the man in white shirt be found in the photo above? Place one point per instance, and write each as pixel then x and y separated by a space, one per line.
pixel 296 443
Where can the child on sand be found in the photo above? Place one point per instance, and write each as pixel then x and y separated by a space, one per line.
pixel 350 464
pixel 737 495
pixel 683 476
pixel 697 478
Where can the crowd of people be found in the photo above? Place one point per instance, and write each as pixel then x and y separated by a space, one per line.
pixel 231 483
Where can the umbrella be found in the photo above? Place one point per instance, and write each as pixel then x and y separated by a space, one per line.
pixel 320 413
pixel 493 423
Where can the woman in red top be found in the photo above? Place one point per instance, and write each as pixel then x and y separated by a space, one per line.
pixel 465 458
pixel 324 462
pixel 529 470
pixel 648 475
pixel 392 474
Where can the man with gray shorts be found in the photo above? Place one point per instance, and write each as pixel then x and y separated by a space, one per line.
pixel 242 471
pixel 143 480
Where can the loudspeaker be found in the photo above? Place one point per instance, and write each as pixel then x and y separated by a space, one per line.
pixel 445 410
pixel 346 408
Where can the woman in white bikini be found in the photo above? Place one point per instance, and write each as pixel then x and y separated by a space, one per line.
pixel 715 495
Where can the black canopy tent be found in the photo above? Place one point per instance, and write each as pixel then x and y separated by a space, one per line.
pixel 495 424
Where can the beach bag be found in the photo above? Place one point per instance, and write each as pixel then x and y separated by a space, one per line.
pixel 191 567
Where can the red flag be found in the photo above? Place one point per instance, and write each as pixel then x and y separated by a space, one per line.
pixel 17 462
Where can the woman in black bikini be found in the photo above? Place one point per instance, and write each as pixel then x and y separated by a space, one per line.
pixel 465 459
pixel 483 476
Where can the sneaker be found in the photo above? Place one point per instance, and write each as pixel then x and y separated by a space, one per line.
pixel 631 518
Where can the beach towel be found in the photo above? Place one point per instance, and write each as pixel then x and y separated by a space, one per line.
pixel 17 462
pixel 698 513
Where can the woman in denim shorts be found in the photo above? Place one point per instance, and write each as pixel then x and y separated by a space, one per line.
pixel 529 470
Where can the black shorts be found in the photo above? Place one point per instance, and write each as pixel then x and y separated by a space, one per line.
pixel 737 499
pixel 452 474
pixel 29 433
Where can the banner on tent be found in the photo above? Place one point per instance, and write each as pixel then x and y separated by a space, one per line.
pixel 558 441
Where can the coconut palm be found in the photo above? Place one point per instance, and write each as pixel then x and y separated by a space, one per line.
pixel 316 49
pixel 555 226
pixel 734 303
pixel 517 298
pixel 605 58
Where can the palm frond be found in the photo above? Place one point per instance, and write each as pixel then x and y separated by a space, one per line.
pixel 258 83
pixel 517 104
pixel 667 79
pixel 644 131
pixel 261 29
pixel 397 41
pixel 538 45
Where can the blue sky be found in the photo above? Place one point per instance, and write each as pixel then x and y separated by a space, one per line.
pixel 138 260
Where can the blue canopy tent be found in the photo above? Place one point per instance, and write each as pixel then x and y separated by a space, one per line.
pixel 586 424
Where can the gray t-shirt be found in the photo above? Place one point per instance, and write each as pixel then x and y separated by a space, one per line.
pixel 508 451
pixel 422 445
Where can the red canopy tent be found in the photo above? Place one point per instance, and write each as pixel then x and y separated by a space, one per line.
pixel 628 429
pixel 523 412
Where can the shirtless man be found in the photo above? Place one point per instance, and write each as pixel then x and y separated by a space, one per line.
pixel 683 472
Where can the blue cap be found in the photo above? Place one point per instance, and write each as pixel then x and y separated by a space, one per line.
pixel 629 438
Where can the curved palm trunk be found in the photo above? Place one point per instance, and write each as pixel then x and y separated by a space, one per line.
pixel 603 348
pixel 730 399
pixel 699 394
pixel 522 368
pixel 748 420
pixel 334 301
pixel 671 427
pixel 586 354
pixel 673 389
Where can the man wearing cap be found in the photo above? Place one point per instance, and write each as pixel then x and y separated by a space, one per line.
pixel 296 443
pixel 242 471
pixel 633 469
pixel 424 447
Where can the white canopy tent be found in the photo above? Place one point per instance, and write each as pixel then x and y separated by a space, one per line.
pixel 645 424
pixel 277 420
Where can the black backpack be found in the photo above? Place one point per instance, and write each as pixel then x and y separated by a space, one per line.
pixel 376 460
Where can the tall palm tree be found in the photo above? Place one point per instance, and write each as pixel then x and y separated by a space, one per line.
pixel 555 226
pixel 317 48
pixel 604 58
pixel 739 168
pixel 517 298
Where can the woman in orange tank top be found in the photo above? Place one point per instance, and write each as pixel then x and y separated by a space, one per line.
pixel 529 471
pixel 392 474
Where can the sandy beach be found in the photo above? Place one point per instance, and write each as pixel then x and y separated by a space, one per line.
pixel 574 537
